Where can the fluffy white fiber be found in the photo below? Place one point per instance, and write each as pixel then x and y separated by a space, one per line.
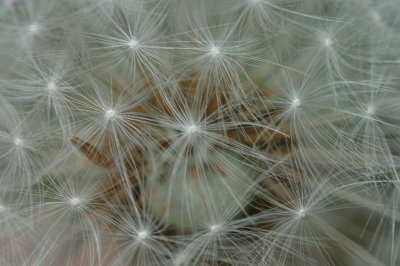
pixel 199 132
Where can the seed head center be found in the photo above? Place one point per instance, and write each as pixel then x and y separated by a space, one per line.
pixel 18 141
pixel 51 86
pixel 328 42
pixel 142 235
pixel 302 213
pixel 296 103
pixel 192 129
pixel 110 113
pixel 215 228
pixel 75 202
pixel 33 28
pixel 214 51
pixel 133 44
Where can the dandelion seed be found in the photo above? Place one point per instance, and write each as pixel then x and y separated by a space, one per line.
pixel 132 44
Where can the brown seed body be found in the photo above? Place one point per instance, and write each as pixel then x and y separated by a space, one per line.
pixel 90 152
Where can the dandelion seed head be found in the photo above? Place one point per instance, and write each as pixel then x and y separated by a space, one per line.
pixel 186 127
